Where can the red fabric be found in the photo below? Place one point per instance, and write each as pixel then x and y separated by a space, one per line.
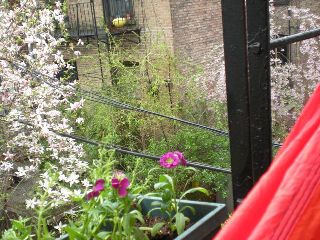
pixel 284 201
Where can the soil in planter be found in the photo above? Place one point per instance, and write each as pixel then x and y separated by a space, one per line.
pixel 165 232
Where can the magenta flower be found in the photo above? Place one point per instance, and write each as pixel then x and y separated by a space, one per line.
pixel 172 160
pixel 121 183
pixel 183 161
pixel 98 187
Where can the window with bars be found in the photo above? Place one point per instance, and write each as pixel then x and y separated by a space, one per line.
pixel 115 9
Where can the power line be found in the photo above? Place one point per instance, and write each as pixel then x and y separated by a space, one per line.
pixel 127 151
pixel 96 97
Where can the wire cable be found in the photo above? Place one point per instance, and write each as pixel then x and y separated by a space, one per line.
pixel 96 97
pixel 127 151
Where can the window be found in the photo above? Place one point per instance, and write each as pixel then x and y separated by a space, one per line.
pixel 119 9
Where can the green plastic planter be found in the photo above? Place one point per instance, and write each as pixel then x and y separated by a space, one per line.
pixel 207 219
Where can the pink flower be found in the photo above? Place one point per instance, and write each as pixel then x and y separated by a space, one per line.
pixel 76 105
pixel 121 183
pixel 98 187
pixel 183 161
pixel 172 160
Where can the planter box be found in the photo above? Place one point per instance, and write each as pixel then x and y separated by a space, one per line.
pixel 207 219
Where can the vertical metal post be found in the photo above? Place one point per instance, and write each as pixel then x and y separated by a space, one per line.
pixel 78 25
pixel 236 64
pixel 97 38
pixel 289 33
pixel 259 86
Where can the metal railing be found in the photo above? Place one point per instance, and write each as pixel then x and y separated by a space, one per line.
pixel 247 48
pixel 81 19
pixel 119 16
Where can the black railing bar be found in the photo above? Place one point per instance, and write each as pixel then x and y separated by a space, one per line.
pixel 126 150
pixel 294 38
pixel 77 7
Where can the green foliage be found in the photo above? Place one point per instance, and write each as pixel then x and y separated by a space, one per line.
pixel 108 216
pixel 153 79
pixel 21 230
pixel 165 189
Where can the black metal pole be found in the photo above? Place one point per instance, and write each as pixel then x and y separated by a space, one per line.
pixel 279 42
pixel 289 33
pixel 77 7
pixel 93 11
pixel 236 65
pixel 259 86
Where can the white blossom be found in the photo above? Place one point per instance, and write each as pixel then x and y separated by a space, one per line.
pixel 77 53
pixel 60 227
pixel 80 120
pixel 32 203
pixel 6 166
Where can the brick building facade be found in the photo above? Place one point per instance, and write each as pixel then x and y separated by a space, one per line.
pixel 190 28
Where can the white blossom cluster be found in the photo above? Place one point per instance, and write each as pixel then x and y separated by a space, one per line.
pixel 27 48
pixel 291 83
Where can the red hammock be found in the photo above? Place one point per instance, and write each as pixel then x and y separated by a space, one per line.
pixel 285 203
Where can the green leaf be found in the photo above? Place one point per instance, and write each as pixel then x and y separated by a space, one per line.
pixel 147 195
pixel 145 229
pixel 192 190
pixel 137 190
pixel 18 225
pixel 139 234
pixel 160 185
pixel 167 195
pixel 137 215
pixel 126 220
pixel 180 222
pixel 188 207
pixel 156 228
pixel 191 169
pixel 74 234
pixel 166 178
pixel 153 209
pixel 103 234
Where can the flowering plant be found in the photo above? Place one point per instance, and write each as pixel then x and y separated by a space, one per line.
pixel 108 209
pixel 165 189
pixel 111 207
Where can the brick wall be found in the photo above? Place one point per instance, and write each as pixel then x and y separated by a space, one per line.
pixel 197 28
pixel 190 28
pixel 157 23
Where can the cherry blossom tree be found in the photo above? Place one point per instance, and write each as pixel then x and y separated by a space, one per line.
pixel 292 82
pixel 34 102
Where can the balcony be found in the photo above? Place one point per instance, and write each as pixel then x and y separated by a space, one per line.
pixel 117 12
pixel 119 17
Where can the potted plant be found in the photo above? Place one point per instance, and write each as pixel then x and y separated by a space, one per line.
pixel 207 217
pixel 121 212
